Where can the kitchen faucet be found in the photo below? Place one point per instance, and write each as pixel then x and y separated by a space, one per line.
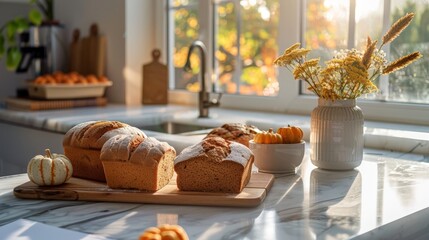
pixel 204 102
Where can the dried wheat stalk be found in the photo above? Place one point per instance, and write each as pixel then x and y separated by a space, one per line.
pixel 397 28
pixel 401 62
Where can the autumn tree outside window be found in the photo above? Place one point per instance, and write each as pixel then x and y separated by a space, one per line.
pixel 244 37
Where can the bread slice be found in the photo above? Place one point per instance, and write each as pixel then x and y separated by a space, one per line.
pixel 214 165
pixel 133 162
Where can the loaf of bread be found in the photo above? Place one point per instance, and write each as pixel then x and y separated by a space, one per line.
pixel 214 165
pixel 134 162
pixel 237 132
pixel 82 145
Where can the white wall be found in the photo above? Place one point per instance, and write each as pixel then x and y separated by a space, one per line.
pixel 129 29
pixel 140 41
pixel 10 81
pixel 110 17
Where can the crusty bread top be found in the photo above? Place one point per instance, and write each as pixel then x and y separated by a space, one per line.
pixel 237 132
pixel 216 149
pixel 93 134
pixel 135 149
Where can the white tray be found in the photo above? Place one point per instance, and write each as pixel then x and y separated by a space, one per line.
pixel 66 91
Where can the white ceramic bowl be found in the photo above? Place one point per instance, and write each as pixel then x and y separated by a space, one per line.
pixel 277 158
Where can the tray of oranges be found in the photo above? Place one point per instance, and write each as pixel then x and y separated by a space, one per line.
pixel 68 86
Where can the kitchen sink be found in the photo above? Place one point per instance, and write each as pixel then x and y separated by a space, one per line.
pixel 178 128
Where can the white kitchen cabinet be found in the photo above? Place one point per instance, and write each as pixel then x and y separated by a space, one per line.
pixel 19 144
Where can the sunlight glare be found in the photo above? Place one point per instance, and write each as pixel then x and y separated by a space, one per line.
pixel 363 8
pixel 336 9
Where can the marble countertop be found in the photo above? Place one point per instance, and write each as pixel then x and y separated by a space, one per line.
pixel 387 136
pixel 384 198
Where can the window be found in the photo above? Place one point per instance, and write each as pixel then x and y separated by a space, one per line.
pixel 410 84
pixel 329 27
pixel 244 44
pixel 184 29
pixel 244 36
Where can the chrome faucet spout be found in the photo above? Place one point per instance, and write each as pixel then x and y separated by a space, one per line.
pixel 204 102
pixel 203 50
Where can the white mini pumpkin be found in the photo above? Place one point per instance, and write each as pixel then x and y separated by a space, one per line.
pixel 51 169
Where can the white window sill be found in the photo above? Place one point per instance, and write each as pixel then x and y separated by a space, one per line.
pixel 379 135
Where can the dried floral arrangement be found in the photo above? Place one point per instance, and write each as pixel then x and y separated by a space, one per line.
pixel 350 73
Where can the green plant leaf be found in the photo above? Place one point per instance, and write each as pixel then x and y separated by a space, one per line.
pixel 35 17
pixel 21 25
pixel 11 30
pixel 12 59
pixel 49 9
pixel 2 48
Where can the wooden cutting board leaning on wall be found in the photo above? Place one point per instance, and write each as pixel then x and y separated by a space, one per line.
pixel 155 81
pixel 75 52
pixel 87 55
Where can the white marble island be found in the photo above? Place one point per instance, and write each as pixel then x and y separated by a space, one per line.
pixel 385 198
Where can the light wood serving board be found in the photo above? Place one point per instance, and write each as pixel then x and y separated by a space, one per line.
pixel 155 81
pixel 77 189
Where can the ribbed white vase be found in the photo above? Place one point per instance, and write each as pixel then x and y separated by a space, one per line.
pixel 336 136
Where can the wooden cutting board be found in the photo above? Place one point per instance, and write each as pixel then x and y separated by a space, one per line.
pixel 95 46
pixel 28 104
pixel 75 52
pixel 77 189
pixel 87 54
pixel 155 81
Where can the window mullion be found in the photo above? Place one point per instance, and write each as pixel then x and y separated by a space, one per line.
pixel 238 66
pixel 215 64
pixel 384 79
pixel 170 44
pixel 206 36
pixel 352 25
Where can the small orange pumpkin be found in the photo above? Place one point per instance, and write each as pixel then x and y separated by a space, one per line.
pixel 291 134
pixel 269 137
pixel 164 232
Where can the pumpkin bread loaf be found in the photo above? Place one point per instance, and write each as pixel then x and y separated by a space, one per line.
pixel 214 165
pixel 82 145
pixel 135 162
pixel 237 132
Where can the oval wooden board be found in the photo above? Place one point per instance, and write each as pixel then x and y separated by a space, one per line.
pixel 77 189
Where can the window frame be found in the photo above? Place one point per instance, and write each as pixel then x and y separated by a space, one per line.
pixel 289 100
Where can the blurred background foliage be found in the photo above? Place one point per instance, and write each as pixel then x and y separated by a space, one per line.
pixel 246 32
pixel 244 68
